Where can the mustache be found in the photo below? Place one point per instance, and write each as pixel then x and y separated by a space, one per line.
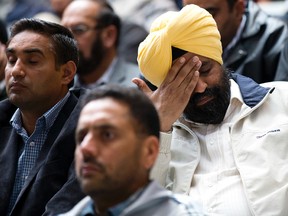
pixel 94 162
pixel 209 92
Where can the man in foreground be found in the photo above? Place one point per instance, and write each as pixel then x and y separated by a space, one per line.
pixel 117 144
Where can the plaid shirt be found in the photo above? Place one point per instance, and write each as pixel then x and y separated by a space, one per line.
pixel 29 152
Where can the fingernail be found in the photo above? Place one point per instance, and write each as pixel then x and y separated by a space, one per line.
pixel 195 59
pixel 182 60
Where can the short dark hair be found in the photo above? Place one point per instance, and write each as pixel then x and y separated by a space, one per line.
pixel 141 108
pixel 176 52
pixel 64 44
pixel 62 39
pixel 108 17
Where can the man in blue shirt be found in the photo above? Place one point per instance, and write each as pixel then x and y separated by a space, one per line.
pixel 37 121
pixel 117 140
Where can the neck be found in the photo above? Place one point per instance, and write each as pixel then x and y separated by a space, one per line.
pixel 30 113
pixel 104 200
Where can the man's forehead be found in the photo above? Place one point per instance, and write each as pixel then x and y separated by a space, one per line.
pixel 29 40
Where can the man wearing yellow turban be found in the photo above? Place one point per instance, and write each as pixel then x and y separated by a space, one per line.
pixel 223 142
pixel 192 29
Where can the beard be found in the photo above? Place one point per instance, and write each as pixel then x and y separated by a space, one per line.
pixel 88 65
pixel 212 112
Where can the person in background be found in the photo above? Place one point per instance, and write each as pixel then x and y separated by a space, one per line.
pixel 3 59
pixel 26 9
pixel 57 9
pixel 143 12
pixel 117 139
pixel 38 121
pixel 223 136
pixel 252 41
pixel 97 30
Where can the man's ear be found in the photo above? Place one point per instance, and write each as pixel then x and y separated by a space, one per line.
pixel 150 151
pixel 109 36
pixel 68 71
pixel 240 6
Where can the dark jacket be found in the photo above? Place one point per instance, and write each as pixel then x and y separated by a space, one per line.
pixel 257 53
pixel 52 179
pixel 282 70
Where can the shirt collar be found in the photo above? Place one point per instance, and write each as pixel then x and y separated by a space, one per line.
pixel 89 209
pixel 118 209
pixel 109 72
pixel 115 210
pixel 47 118
pixel 104 79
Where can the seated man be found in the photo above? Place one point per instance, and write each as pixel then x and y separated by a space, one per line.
pixel 224 137
pixel 117 141
pixel 97 30
pixel 38 120
pixel 252 40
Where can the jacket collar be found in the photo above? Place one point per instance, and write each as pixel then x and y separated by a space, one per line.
pixel 255 19
pixel 251 91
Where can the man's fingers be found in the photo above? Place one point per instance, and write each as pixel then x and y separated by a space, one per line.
pixel 190 69
pixel 181 69
pixel 176 67
pixel 142 85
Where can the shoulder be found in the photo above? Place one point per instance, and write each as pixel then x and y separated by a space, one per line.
pixel 281 85
pixel 159 200
pixel 7 109
pixel 259 21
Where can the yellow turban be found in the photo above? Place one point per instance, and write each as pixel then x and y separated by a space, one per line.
pixel 192 29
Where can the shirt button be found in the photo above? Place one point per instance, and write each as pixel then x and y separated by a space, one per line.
pixel 211 142
pixel 32 144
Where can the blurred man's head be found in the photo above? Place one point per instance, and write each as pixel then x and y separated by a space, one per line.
pixel 59 6
pixel 96 28
pixel 227 14
pixel 117 142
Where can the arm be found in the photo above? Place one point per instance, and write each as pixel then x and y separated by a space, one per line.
pixel 161 166
pixel 67 197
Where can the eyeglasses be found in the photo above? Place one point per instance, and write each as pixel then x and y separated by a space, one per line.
pixel 78 30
